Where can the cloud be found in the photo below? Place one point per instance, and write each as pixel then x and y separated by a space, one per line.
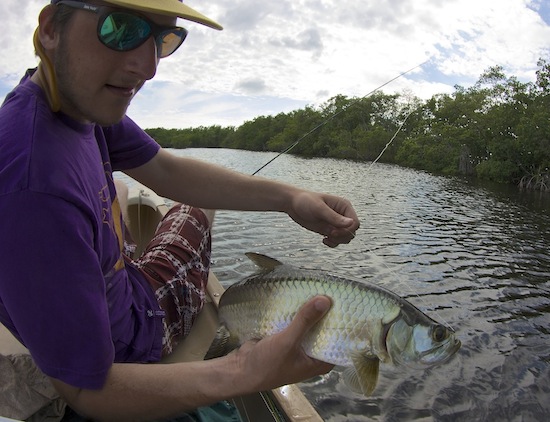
pixel 277 55
pixel 181 107
pixel 18 21
pixel 253 86
pixel 246 15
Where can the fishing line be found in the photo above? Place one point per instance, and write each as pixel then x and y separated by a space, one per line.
pixel 390 141
pixel 400 279
pixel 320 125
pixel 402 124
pixel 384 264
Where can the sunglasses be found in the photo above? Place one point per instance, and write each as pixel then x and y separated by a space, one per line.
pixel 121 30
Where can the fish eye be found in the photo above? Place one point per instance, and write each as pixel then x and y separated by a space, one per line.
pixel 439 333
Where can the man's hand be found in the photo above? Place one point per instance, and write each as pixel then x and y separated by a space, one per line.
pixel 138 392
pixel 280 359
pixel 328 215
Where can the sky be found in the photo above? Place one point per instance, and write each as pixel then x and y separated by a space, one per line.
pixel 276 56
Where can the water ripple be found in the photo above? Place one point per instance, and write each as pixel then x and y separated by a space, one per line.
pixel 472 256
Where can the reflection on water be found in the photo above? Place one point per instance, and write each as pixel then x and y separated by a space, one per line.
pixel 472 256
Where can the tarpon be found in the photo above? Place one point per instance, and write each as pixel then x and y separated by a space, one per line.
pixel 365 325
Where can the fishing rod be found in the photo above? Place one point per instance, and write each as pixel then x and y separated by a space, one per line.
pixel 320 125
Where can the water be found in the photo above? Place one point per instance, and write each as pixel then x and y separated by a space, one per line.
pixel 473 256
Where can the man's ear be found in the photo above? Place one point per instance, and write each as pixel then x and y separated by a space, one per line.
pixel 47 33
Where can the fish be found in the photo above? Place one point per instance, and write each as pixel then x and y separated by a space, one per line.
pixel 366 324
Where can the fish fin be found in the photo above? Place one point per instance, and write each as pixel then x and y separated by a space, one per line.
pixel 351 379
pixel 362 377
pixel 263 261
pixel 222 344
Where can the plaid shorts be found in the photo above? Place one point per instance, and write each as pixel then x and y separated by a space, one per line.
pixel 176 263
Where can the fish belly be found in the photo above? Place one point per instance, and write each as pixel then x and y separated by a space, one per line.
pixel 260 308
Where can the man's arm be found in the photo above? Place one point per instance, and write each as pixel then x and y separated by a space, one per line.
pixel 208 186
pixel 147 392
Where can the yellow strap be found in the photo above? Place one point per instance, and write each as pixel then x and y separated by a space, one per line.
pixel 117 221
pixel 47 76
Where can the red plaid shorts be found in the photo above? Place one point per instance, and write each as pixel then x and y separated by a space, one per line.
pixel 176 263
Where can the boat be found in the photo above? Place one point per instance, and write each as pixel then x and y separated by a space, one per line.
pixel 287 403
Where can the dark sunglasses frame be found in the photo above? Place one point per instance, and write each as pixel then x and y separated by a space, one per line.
pixel 158 32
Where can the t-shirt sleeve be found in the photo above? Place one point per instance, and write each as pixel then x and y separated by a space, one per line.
pixel 129 145
pixel 63 320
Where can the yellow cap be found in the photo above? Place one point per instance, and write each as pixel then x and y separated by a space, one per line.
pixel 167 7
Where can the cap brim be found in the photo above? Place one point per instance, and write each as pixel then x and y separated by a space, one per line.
pixel 167 7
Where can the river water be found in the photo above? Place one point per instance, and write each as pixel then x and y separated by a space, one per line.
pixel 475 257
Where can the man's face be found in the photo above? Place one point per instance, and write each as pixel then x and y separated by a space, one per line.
pixel 95 83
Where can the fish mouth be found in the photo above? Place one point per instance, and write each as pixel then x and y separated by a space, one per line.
pixel 443 353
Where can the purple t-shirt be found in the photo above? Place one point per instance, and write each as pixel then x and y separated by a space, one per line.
pixel 63 289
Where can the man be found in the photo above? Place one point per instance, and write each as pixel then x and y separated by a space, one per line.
pixel 89 315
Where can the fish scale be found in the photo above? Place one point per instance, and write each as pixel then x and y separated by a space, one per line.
pixel 355 310
pixel 365 325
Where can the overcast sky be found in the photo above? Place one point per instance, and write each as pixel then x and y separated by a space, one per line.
pixel 279 55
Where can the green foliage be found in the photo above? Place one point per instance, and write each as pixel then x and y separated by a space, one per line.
pixel 201 137
pixel 498 129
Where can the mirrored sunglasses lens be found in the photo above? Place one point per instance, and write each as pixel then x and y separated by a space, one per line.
pixel 169 41
pixel 123 32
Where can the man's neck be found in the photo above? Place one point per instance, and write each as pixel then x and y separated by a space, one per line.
pixel 45 79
